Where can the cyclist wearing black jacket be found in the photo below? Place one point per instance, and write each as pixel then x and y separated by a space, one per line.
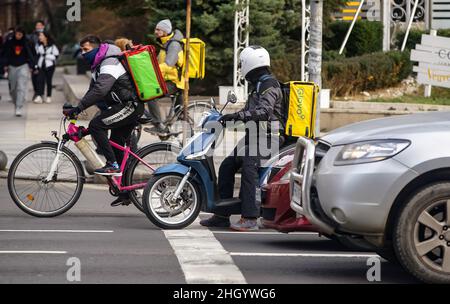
pixel 112 92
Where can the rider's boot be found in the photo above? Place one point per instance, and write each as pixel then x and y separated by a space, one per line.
pixel 123 199
pixel 216 221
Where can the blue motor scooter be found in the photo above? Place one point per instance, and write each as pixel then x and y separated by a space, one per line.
pixel 176 193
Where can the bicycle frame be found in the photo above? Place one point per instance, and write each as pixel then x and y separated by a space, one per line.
pixel 75 134
pixel 117 180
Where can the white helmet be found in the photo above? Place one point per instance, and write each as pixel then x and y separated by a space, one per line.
pixel 253 57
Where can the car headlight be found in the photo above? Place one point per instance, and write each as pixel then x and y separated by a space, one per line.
pixel 370 151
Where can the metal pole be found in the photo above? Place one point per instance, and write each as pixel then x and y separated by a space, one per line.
pixel 235 59
pixel 315 52
pixel 427 92
pixel 186 67
pixel 411 19
pixel 241 39
pixel 351 26
pixel 386 18
pixel 303 50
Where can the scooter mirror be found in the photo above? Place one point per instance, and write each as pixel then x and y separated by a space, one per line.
pixel 232 98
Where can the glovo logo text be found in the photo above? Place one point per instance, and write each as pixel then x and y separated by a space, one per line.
pixel 300 96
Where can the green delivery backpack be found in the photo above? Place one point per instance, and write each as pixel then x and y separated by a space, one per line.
pixel 142 64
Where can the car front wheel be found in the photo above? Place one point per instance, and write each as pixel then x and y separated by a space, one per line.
pixel 422 234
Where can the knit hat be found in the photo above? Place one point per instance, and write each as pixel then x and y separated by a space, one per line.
pixel 165 25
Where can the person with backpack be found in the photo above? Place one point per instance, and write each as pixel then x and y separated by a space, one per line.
pixel 47 53
pixel 263 107
pixel 111 90
pixel 19 61
pixel 170 59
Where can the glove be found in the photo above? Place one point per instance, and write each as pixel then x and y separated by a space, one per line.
pixel 71 112
pixel 228 117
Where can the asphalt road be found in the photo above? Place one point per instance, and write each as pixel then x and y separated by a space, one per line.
pixel 119 245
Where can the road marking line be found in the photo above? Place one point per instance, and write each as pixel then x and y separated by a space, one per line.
pixel 264 233
pixel 60 231
pixel 31 252
pixel 202 258
pixel 321 255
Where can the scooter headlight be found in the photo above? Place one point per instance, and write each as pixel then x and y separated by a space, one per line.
pixel 370 151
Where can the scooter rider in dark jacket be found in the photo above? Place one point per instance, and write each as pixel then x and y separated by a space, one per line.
pixel 112 92
pixel 263 107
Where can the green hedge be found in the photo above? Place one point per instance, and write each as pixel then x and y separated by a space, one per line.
pixel 415 37
pixel 366 37
pixel 349 76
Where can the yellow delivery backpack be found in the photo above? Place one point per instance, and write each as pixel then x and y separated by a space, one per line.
pixel 196 58
pixel 300 108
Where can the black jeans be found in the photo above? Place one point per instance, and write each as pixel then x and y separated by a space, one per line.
pixel 120 120
pixel 34 81
pixel 45 77
pixel 249 163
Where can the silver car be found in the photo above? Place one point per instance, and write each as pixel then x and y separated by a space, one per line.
pixel 385 182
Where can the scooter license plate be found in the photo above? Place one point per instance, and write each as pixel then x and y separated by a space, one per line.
pixel 297 194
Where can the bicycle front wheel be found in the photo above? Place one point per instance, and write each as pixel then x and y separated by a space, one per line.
pixel 30 190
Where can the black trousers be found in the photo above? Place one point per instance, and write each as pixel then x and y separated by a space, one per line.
pixel 248 161
pixel 45 77
pixel 34 81
pixel 120 120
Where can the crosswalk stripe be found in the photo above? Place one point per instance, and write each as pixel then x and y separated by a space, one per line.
pixel 202 258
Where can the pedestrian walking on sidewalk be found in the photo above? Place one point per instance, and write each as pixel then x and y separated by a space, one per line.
pixel 39 28
pixel 19 61
pixel 47 53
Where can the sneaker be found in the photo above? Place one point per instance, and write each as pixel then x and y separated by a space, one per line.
pixel 48 100
pixel 108 170
pixel 158 130
pixel 245 224
pixel 122 200
pixel 37 99
pixel 18 112
pixel 216 221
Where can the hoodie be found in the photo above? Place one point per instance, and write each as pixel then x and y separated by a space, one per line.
pixel 18 52
pixel 110 84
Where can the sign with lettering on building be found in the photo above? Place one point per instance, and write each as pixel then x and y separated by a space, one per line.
pixel 433 56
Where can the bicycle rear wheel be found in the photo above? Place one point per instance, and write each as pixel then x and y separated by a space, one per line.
pixel 155 155
pixel 27 185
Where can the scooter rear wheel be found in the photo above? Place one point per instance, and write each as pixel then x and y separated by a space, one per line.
pixel 157 197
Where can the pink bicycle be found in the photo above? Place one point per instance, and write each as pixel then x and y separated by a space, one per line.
pixel 46 179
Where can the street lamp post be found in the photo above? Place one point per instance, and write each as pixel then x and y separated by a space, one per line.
pixel 315 51
pixel 186 67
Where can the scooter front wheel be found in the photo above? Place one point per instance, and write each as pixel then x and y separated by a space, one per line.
pixel 158 197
